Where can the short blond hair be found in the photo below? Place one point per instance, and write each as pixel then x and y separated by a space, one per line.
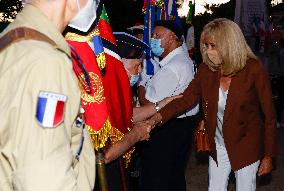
pixel 230 44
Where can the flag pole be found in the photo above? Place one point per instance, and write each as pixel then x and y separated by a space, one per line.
pixel 101 170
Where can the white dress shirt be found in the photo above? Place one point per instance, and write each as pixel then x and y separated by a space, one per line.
pixel 176 73
pixel 144 77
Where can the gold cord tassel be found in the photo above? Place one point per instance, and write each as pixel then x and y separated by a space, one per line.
pixel 101 60
pixel 100 137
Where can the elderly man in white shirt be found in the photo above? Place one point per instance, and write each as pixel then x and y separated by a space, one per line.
pixel 165 155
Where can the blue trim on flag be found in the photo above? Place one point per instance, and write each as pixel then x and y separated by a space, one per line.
pixel 166 9
pixel 159 13
pixel 146 39
pixel 98 45
pixel 153 17
pixel 175 14
pixel 41 105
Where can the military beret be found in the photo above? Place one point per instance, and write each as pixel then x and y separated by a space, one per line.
pixel 169 24
pixel 129 46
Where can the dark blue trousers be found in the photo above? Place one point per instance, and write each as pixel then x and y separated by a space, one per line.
pixel 165 156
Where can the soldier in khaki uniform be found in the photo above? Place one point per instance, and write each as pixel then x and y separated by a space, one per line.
pixel 40 100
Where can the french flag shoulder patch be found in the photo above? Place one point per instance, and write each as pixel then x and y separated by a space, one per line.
pixel 50 109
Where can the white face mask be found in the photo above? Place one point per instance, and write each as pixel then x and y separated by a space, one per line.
pixel 85 17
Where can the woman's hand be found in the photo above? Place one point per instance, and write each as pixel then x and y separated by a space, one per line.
pixel 167 100
pixel 265 166
pixel 154 120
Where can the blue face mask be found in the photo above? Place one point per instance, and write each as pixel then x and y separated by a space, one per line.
pixel 134 79
pixel 155 45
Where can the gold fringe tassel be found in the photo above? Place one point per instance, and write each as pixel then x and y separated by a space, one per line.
pixel 100 137
pixel 117 136
pixel 127 156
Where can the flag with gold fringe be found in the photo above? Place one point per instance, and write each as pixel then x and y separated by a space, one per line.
pixel 116 83
pixel 93 101
pixel 99 53
pixel 115 79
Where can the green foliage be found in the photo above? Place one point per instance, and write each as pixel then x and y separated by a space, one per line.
pixel 9 9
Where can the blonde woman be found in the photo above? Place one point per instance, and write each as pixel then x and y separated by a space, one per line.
pixel 236 96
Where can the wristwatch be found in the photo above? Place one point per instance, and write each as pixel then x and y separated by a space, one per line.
pixel 157 106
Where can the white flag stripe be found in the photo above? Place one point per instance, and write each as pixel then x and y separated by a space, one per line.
pixel 49 112
pixel 50 95
pixel 113 54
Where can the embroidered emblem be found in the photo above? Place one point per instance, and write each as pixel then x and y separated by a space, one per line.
pixel 50 109
pixel 97 90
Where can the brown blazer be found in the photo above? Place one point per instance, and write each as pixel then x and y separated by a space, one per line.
pixel 249 126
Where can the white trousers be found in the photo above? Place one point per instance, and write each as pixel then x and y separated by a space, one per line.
pixel 219 175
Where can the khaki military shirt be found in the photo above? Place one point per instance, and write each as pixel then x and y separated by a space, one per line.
pixel 32 157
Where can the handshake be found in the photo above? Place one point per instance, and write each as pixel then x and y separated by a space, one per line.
pixel 148 112
pixel 141 129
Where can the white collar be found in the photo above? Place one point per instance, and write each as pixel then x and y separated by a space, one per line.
pixel 176 51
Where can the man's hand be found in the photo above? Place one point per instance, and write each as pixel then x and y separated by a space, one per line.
pixel 265 166
pixel 142 130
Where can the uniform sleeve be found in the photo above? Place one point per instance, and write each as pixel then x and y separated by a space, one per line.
pixel 85 168
pixel 43 157
pixel 163 84
pixel 264 92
